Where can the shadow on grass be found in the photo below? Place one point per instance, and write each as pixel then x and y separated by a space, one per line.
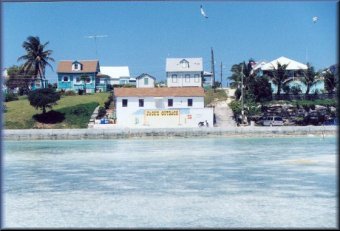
pixel 51 117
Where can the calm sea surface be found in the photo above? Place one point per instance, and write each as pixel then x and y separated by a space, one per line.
pixel 201 182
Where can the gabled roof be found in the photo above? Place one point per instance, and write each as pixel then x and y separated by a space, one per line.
pixel 292 64
pixel 159 92
pixel 115 72
pixel 145 74
pixel 88 66
pixel 258 65
pixel 175 64
pixel 4 73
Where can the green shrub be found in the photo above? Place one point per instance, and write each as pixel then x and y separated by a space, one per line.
pixel 236 107
pixel 108 101
pixel 70 93
pixel 11 97
pixel 78 116
pixel 101 112
pixel 295 90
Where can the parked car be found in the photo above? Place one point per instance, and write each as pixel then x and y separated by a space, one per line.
pixel 273 121
pixel 315 118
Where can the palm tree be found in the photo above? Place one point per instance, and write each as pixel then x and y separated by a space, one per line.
pixel 311 78
pixel 330 81
pixel 237 71
pixel 36 57
pixel 280 76
pixel 236 76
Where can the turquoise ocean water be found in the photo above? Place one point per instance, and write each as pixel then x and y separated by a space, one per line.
pixel 201 182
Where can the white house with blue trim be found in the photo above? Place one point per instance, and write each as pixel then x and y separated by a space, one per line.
pixel 184 72
pixel 145 81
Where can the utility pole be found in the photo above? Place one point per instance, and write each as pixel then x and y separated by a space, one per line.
pixel 221 75
pixel 95 40
pixel 212 68
pixel 242 108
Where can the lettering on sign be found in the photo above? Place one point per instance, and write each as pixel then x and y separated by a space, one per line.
pixel 162 113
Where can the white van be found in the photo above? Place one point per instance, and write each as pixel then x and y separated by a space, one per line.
pixel 272 121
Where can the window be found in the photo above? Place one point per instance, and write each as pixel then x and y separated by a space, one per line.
pixel 170 102
pixel 88 80
pixel 124 103
pixel 174 78
pixel 197 78
pixel 185 63
pixel 78 79
pixel 187 78
pixel 146 81
pixel 189 102
pixel 159 103
pixel 141 102
pixel 65 79
pixel 76 66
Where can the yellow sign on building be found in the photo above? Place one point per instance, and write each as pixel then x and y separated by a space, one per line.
pixel 154 113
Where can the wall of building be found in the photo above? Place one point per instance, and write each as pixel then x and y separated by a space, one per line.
pixel 73 84
pixel 182 81
pixel 319 87
pixel 160 115
pixel 141 84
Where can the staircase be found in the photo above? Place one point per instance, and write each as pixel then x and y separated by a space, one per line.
pixel 223 113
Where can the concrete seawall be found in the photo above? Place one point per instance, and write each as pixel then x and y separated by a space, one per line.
pixel 251 131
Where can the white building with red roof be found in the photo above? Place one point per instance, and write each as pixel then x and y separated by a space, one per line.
pixel 161 107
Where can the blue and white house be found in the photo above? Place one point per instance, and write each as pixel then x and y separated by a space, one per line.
pixel 80 74
pixel 294 70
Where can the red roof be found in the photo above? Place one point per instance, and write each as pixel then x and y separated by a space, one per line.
pixel 87 66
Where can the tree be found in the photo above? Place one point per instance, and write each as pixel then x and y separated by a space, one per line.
pixel 17 78
pixel 237 71
pixel 43 98
pixel 310 78
pixel 262 89
pixel 36 58
pixel 84 79
pixel 280 77
pixel 330 81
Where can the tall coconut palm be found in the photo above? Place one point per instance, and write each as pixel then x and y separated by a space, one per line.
pixel 237 71
pixel 330 81
pixel 310 78
pixel 280 76
pixel 36 58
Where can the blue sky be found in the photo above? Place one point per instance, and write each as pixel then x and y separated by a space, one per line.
pixel 142 35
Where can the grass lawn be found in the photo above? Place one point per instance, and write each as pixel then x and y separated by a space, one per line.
pixel 210 96
pixel 70 112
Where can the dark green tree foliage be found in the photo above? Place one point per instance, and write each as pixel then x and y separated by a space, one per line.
pixel 262 89
pixel 280 76
pixel 310 78
pixel 43 98
pixel 330 81
pixel 36 58
pixel 101 112
pixel 17 77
